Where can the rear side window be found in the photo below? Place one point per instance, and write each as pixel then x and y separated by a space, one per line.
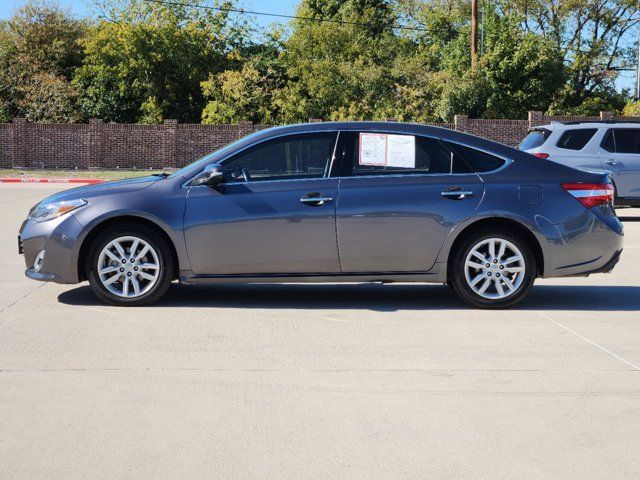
pixel 534 138
pixel 431 156
pixel 576 139
pixel 475 160
pixel 622 140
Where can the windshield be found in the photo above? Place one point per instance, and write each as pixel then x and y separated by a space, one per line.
pixel 203 161
pixel 534 139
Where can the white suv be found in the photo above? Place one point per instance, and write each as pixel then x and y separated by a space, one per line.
pixel 613 146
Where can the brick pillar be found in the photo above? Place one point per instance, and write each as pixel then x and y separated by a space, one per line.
pixel 606 116
pixel 94 156
pixel 461 123
pixel 535 118
pixel 245 128
pixel 169 146
pixel 18 140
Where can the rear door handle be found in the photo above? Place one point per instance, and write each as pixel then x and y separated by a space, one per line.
pixel 612 162
pixel 315 199
pixel 456 193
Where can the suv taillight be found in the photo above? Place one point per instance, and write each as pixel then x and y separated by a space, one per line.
pixel 541 155
pixel 590 194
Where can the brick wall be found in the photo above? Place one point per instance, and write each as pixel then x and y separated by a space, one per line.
pixel 109 145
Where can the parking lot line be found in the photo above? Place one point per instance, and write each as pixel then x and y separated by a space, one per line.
pixel 544 315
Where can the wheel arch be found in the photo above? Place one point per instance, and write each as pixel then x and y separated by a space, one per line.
pixel 107 223
pixel 512 225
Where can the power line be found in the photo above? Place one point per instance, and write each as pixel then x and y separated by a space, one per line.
pixel 242 11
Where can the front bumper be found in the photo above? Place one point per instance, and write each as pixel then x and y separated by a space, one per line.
pixel 57 238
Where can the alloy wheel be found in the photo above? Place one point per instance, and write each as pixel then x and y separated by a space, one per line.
pixel 494 268
pixel 128 267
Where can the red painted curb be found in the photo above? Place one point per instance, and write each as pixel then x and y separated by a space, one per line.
pixel 51 180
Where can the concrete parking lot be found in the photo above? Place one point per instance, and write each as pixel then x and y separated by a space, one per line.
pixel 317 381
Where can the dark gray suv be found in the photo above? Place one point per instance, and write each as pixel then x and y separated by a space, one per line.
pixel 333 202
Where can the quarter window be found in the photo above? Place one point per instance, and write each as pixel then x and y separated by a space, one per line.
pixel 292 157
pixel 576 139
pixel 472 160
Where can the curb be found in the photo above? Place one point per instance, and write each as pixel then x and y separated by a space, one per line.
pixel 51 180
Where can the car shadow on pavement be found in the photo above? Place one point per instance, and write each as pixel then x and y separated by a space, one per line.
pixel 373 297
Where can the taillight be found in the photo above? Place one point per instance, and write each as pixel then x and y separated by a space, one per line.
pixel 590 194
pixel 541 155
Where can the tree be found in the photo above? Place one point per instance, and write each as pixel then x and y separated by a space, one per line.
pixel 248 92
pixel 145 61
pixel 339 71
pixel 592 37
pixel 39 51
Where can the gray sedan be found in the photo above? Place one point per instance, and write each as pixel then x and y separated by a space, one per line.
pixel 333 202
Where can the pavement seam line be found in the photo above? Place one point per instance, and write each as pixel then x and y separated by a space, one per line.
pixel 544 315
pixel 21 298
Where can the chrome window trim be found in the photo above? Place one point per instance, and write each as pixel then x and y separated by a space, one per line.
pixel 507 161
pixel 274 137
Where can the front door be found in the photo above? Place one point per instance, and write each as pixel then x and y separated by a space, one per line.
pixel 273 214
pixel 620 154
pixel 399 199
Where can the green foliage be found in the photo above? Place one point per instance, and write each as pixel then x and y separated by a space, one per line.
pixel 250 92
pixel 146 61
pixel 631 109
pixel 39 51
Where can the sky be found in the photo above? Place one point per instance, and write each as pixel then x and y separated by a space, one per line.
pixel 82 8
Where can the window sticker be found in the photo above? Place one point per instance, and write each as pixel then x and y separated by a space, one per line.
pixel 379 149
pixel 401 151
pixel 373 149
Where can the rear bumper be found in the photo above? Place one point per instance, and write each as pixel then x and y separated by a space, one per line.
pixel 584 246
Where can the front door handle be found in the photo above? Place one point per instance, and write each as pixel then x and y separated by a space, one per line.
pixel 315 199
pixel 456 193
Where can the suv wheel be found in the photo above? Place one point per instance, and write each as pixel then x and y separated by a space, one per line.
pixel 129 265
pixel 493 269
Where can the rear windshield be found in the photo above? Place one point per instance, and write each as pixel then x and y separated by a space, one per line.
pixel 534 138
pixel 576 139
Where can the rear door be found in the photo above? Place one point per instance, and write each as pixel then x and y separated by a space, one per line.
pixel 620 153
pixel 400 196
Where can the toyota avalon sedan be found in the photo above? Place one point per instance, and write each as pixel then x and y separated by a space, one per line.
pixel 333 202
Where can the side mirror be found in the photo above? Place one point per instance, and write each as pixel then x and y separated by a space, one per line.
pixel 211 175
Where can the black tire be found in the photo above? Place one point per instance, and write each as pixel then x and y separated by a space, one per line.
pixel 458 278
pixel 165 261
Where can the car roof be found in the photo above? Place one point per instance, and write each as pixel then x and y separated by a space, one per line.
pixel 592 124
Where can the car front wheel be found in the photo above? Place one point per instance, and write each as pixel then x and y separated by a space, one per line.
pixel 129 265
pixel 493 269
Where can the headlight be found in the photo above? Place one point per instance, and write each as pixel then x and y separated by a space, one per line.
pixel 46 211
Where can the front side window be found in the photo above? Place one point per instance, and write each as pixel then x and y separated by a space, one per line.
pixel 576 139
pixel 291 157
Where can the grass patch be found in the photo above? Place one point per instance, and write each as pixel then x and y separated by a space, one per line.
pixel 103 174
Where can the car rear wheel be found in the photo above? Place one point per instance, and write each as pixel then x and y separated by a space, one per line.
pixel 129 265
pixel 493 269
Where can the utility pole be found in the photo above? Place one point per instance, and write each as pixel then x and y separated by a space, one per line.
pixel 474 34
pixel 638 71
